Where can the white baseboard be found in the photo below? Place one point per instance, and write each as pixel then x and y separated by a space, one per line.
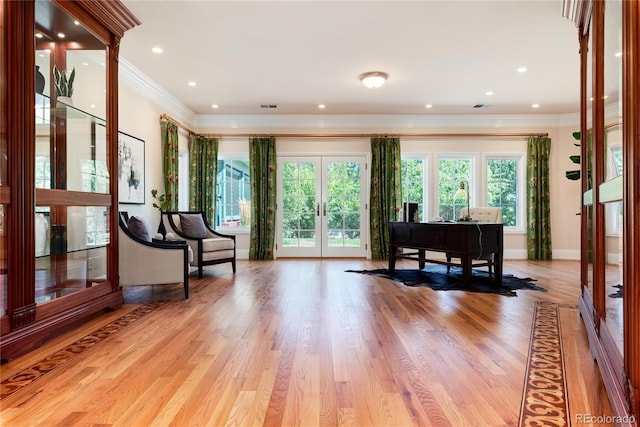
pixel 573 254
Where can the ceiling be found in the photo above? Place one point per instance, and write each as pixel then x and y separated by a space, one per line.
pixel 299 54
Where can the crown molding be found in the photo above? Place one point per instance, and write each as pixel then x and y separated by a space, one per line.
pixel 139 82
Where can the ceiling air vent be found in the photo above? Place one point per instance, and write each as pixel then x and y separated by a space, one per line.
pixel 269 106
pixel 481 106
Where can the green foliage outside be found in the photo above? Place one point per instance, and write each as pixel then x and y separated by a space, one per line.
pixel 413 183
pixel 502 179
pixel 450 173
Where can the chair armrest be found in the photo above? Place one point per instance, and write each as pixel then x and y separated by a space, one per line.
pixel 213 233
pixel 170 243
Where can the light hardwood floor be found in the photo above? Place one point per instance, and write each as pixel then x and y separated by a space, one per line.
pixel 304 343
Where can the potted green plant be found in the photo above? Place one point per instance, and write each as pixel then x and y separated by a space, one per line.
pixel 163 204
pixel 64 84
pixel 161 201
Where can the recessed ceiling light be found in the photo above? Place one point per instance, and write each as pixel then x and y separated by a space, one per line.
pixel 618 54
pixel 428 106
pixel 85 63
pixel 61 35
pixel 192 84
pixel 605 97
pixel 535 105
pixel 489 93
pixel 156 49
pixel 76 22
pixel 215 106
pixel 522 69
pixel 39 35
pixel 322 106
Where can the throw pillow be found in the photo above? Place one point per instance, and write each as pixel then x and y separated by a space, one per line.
pixel 192 225
pixel 138 228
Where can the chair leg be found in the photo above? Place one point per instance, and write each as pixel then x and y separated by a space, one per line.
pixel 233 266
pixel 448 266
pixel 200 271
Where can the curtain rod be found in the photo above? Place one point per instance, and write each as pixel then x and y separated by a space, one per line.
pixel 357 135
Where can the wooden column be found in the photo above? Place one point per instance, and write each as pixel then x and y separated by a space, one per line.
pixel 21 157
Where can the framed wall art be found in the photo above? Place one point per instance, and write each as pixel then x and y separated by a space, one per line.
pixel 130 169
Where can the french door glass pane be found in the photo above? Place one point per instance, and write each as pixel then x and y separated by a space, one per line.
pixel 299 204
pixel 343 204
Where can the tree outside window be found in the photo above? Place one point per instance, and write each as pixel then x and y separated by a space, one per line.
pixel 451 171
pixel 502 188
pixel 413 174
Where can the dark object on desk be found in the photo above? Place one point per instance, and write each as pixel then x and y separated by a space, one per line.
pixel 409 211
pixel 437 278
pixel 463 240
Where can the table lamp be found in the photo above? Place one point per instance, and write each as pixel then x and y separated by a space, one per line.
pixel 463 192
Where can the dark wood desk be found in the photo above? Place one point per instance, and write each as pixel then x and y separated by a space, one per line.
pixel 464 240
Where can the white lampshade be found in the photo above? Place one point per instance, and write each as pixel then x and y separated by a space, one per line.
pixel 373 79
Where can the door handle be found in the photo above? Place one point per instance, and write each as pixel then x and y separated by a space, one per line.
pixel 317 209
pixel 324 209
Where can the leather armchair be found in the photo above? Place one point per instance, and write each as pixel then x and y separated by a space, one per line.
pixel 209 246
pixel 149 262
pixel 482 214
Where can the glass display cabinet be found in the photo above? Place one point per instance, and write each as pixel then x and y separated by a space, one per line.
pixel 58 201
pixel 610 249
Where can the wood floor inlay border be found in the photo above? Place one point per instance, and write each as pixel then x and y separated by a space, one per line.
pixel 39 369
pixel 544 400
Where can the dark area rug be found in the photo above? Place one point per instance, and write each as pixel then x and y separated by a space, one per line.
pixel 436 277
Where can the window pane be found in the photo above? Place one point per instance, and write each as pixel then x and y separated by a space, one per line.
pixel 233 195
pixel 502 185
pixel 452 171
pixel 413 183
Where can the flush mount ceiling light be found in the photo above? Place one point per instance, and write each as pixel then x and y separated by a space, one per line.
pixel 373 79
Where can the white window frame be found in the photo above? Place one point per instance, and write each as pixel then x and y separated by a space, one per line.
pixel 521 205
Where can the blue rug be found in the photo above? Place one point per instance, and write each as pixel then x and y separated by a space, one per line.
pixel 436 277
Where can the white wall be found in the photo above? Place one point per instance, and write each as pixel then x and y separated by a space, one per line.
pixel 140 117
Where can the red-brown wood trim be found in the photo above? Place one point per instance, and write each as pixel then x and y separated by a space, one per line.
pixel 20 121
pixel 631 237
pixel 103 18
pixel 5 195
pixel 112 155
pixel 54 197
pixel 24 340
pixel 599 242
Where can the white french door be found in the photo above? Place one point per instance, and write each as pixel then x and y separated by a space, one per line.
pixel 322 207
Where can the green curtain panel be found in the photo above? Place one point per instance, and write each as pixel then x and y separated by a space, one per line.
pixel 262 161
pixel 538 206
pixel 169 135
pixel 203 170
pixel 386 192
